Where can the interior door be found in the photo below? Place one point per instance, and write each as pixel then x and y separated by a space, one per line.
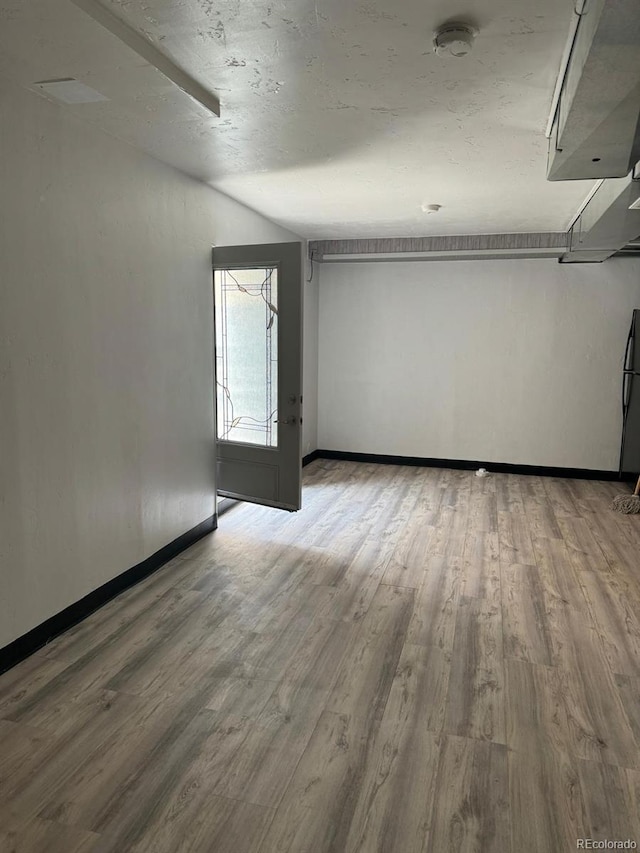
pixel 258 370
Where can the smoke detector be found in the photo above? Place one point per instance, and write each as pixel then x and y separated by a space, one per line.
pixel 454 39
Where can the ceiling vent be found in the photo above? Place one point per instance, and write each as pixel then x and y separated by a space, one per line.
pixel 454 39
pixel 70 91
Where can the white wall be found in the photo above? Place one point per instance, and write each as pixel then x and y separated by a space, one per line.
pixel 106 398
pixel 507 361
pixel 310 362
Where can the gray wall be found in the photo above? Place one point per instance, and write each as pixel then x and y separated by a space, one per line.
pixel 106 350
pixel 508 361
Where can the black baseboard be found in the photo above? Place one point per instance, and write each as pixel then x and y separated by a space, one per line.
pixel 310 457
pixel 467 465
pixel 39 636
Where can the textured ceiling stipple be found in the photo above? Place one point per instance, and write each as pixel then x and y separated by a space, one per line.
pixel 337 119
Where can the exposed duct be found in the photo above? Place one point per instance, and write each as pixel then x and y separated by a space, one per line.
pixel 596 131
pixel 551 244
pixel 607 224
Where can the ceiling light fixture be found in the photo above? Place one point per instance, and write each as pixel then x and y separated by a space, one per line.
pixel 430 208
pixel 150 53
pixel 454 39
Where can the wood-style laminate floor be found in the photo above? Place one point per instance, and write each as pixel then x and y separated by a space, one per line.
pixel 420 660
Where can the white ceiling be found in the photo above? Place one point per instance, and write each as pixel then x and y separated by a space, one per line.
pixel 338 119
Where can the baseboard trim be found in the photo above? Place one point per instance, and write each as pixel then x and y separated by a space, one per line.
pixel 39 636
pixel 468 465
pixel 310 457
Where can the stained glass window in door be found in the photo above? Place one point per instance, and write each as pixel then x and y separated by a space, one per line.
pixel 246 310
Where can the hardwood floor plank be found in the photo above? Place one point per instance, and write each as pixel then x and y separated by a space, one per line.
pixel 629 692
pixel 26 679
pixel 410 556
pixel 433 620
pixel 394 496
pixel 368 668
pixel 537 719
pixel 599 725
pixel 99 663
pixel 475 702
pixel 241 697
pixel 318 656
pixel 533 490
pixel 420 687
pixel 547 810
pixel 366 784
pixel 267 656
pixel 584 551
pixel 561 498
pixel 42 836
pixel 180 751
pixel 275 595
pixel 21 747
pixel 182 760
pixel 514 539
pixel 449 532
pixel 260 770
pixel 356 588
pixel 471 804
pixel 586 494
pixel 113 619
pixel 201 825
pixel 541 519
pixel 151 668
pixel 562 585
pixel 316 811
pixel 396 790
pixel 616 622
pixel 483 506
pixel 610 532
pixel 508 494
pixel 632 788
pixel 90 723
pixel 359 787
pixel 481 566
pixel 611 810
pixel 524 618
pixel 222 655
pixel 63 716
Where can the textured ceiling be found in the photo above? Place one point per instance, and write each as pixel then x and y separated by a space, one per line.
pixel 338 120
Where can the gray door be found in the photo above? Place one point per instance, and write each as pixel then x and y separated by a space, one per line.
pixel 258 348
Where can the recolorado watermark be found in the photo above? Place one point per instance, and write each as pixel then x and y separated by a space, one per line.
pixel 606 844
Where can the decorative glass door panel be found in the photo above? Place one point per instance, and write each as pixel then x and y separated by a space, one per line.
pixel 247 355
